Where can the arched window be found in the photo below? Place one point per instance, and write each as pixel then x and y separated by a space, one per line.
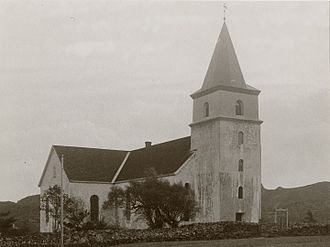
pixel 240 138
pixel 206 109
pixel 186 212
pixel 240 165
pixel 240 192
pixel 239 108
pixel 94 208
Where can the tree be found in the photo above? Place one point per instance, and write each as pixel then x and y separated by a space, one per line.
pixel 309 217
pixel 76 214
pixel 51 204
pixel 6 221
pixel 157 201
pixel 178 204
pixel 146 199
pixel 116 200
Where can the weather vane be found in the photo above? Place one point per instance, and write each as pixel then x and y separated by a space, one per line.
pixel 224 11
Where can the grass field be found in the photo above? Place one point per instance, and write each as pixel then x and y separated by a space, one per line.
pixel 314 241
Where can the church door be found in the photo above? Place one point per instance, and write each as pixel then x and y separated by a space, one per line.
pixel 239 216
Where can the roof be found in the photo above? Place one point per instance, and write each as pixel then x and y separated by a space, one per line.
pixel 165 158
pixel 90 164
pixel 224 68
pixel 103 165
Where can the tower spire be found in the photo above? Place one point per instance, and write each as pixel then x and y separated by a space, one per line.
pixel 224 68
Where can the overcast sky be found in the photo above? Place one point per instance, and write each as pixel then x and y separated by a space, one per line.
pixel 114 74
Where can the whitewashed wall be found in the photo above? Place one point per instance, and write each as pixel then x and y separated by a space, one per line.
pixel 51 177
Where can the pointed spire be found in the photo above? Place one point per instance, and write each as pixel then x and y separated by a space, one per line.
pixel 224 68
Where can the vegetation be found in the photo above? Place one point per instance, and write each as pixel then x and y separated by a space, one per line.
pixel 6 221
pixel 74 210
pixel 309 217
pixel 240 233
pixel 76 214
pixel 116 199
pixel 95 225
pixel 157 201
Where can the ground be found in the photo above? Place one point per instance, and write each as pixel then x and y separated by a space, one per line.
pixel 314 241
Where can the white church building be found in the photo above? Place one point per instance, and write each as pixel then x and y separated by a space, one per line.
pixel 220 160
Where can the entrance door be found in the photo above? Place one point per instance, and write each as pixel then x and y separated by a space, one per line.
pixel 239 216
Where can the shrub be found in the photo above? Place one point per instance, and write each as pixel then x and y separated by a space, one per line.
pixel 200 231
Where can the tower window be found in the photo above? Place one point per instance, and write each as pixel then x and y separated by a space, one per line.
pixel 239 108
pixel 240 138
pixel 206 109
pixel 240 192
pixel 240 165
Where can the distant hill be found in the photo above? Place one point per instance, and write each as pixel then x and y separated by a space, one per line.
pixel 314 197
pixel 26 212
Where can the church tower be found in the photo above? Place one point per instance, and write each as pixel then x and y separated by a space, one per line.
pixel 225 135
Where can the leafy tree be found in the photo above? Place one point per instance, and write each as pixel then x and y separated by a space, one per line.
pixel 51 204
pixel 157 201
pixel 6 221
pixel 178 204
pixel 146 200
pixel 76 213
pixel 116 200
pixel 309 217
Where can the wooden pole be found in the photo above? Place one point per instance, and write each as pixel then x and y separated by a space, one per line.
pixel 62 232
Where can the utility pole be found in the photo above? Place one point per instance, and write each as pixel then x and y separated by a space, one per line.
pixel 62 165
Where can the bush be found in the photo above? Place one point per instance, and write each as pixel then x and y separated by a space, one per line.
pixel 6 221
pixel 98 225
pixel 200 231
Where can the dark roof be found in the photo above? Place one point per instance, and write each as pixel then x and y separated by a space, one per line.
pixel 224 68
pixel 101 165
pixel 90 164
pixel 165 158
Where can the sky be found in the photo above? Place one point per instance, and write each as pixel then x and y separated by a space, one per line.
pixel 114 74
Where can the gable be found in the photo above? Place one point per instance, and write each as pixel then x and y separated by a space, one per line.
pixel 52 161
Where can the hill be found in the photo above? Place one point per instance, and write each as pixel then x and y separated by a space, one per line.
pixel 26 212
pixel 314 197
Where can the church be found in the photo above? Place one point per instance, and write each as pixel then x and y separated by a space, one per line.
pixel 220 161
